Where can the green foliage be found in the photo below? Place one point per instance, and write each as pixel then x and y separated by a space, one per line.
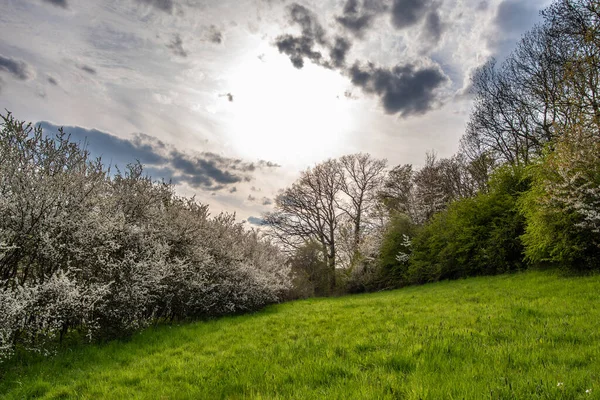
pixel 475 236
pixel 563 207
pixel 395 247
pixel 309 271
pixel 523 336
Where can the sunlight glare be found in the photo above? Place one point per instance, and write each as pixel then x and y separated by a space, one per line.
pixel 282 114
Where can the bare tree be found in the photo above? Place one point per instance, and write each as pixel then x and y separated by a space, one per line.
pixel 551 77
pixel 363 177
pixel 308 210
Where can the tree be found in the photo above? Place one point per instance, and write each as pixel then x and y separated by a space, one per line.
pixel 422 193
pixel 518 103
pixel 363 176
pixel 308 211
pixel 332 204
pixel 563 207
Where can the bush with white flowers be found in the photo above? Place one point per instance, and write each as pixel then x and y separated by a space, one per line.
pixel 81 250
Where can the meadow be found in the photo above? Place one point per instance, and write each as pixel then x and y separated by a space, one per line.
pixel 531 335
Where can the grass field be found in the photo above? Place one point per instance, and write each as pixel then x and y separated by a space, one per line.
pixel 534 335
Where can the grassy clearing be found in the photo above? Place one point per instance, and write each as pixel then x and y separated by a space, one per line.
pixel 524 336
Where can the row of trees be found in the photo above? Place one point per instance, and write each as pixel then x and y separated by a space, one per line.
pixel 524 189
pixel 88 251
pixel 333 219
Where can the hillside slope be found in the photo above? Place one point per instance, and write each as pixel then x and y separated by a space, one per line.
pixel 530 335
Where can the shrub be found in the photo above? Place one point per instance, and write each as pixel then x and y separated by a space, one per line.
pixel 83 250
pixel 563 207
pixel 475 236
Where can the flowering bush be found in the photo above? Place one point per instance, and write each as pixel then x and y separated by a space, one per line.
pixel 105 255
pixel 563 208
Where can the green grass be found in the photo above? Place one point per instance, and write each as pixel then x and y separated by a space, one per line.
pixel 508 337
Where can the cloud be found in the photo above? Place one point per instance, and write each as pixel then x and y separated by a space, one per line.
pixel 17 68
pixel 228 95
pixel 176 46
pixel 404 89
pixel 356 19
pixel 52 81
pixel 88 69
pixel 256 221
pixel 213 35
pixel 201 170
pixel 433 27
pixel 58 3
pixel 266 201
pixel 268 164
pixel 233 189
pixel 356 24
pixel 251 198
pixel 406 13
pixel 162 5
pixel 312 39
pixel 297 48
pixel 339 51
pixel 308 22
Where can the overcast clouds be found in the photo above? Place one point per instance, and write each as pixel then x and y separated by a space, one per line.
pixel 230 99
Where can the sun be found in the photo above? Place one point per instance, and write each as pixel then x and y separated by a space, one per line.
pixel 287 115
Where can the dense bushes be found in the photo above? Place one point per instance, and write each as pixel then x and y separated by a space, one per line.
pixel 563 207
pixel 102 254
pixel 475 236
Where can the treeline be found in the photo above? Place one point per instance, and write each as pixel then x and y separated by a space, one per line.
pixel 523 191
pixel 98 254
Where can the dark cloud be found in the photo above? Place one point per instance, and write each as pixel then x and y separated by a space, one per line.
pixel 297 48
pixel 339 51
pixel 251 198
pixel 1 84
pixel 356 20
pixel 433 28
pixel 201 172
pixel 351 7
pixel 17 68
pixel 163 5
pixel 268 164
pixel 266 201
pixel 406 13
pixel 228 95
pixel 256 221
pixel 204 171
pixel 404 89
pixel 88 69
pixel 308 22
pixel 52 81
pixel 356 24
pixel 214 35
pixel 176 46
pixel 233 189
pixel 58 3
pixel 113 149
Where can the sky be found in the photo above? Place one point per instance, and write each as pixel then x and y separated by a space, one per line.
pixel 231 99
